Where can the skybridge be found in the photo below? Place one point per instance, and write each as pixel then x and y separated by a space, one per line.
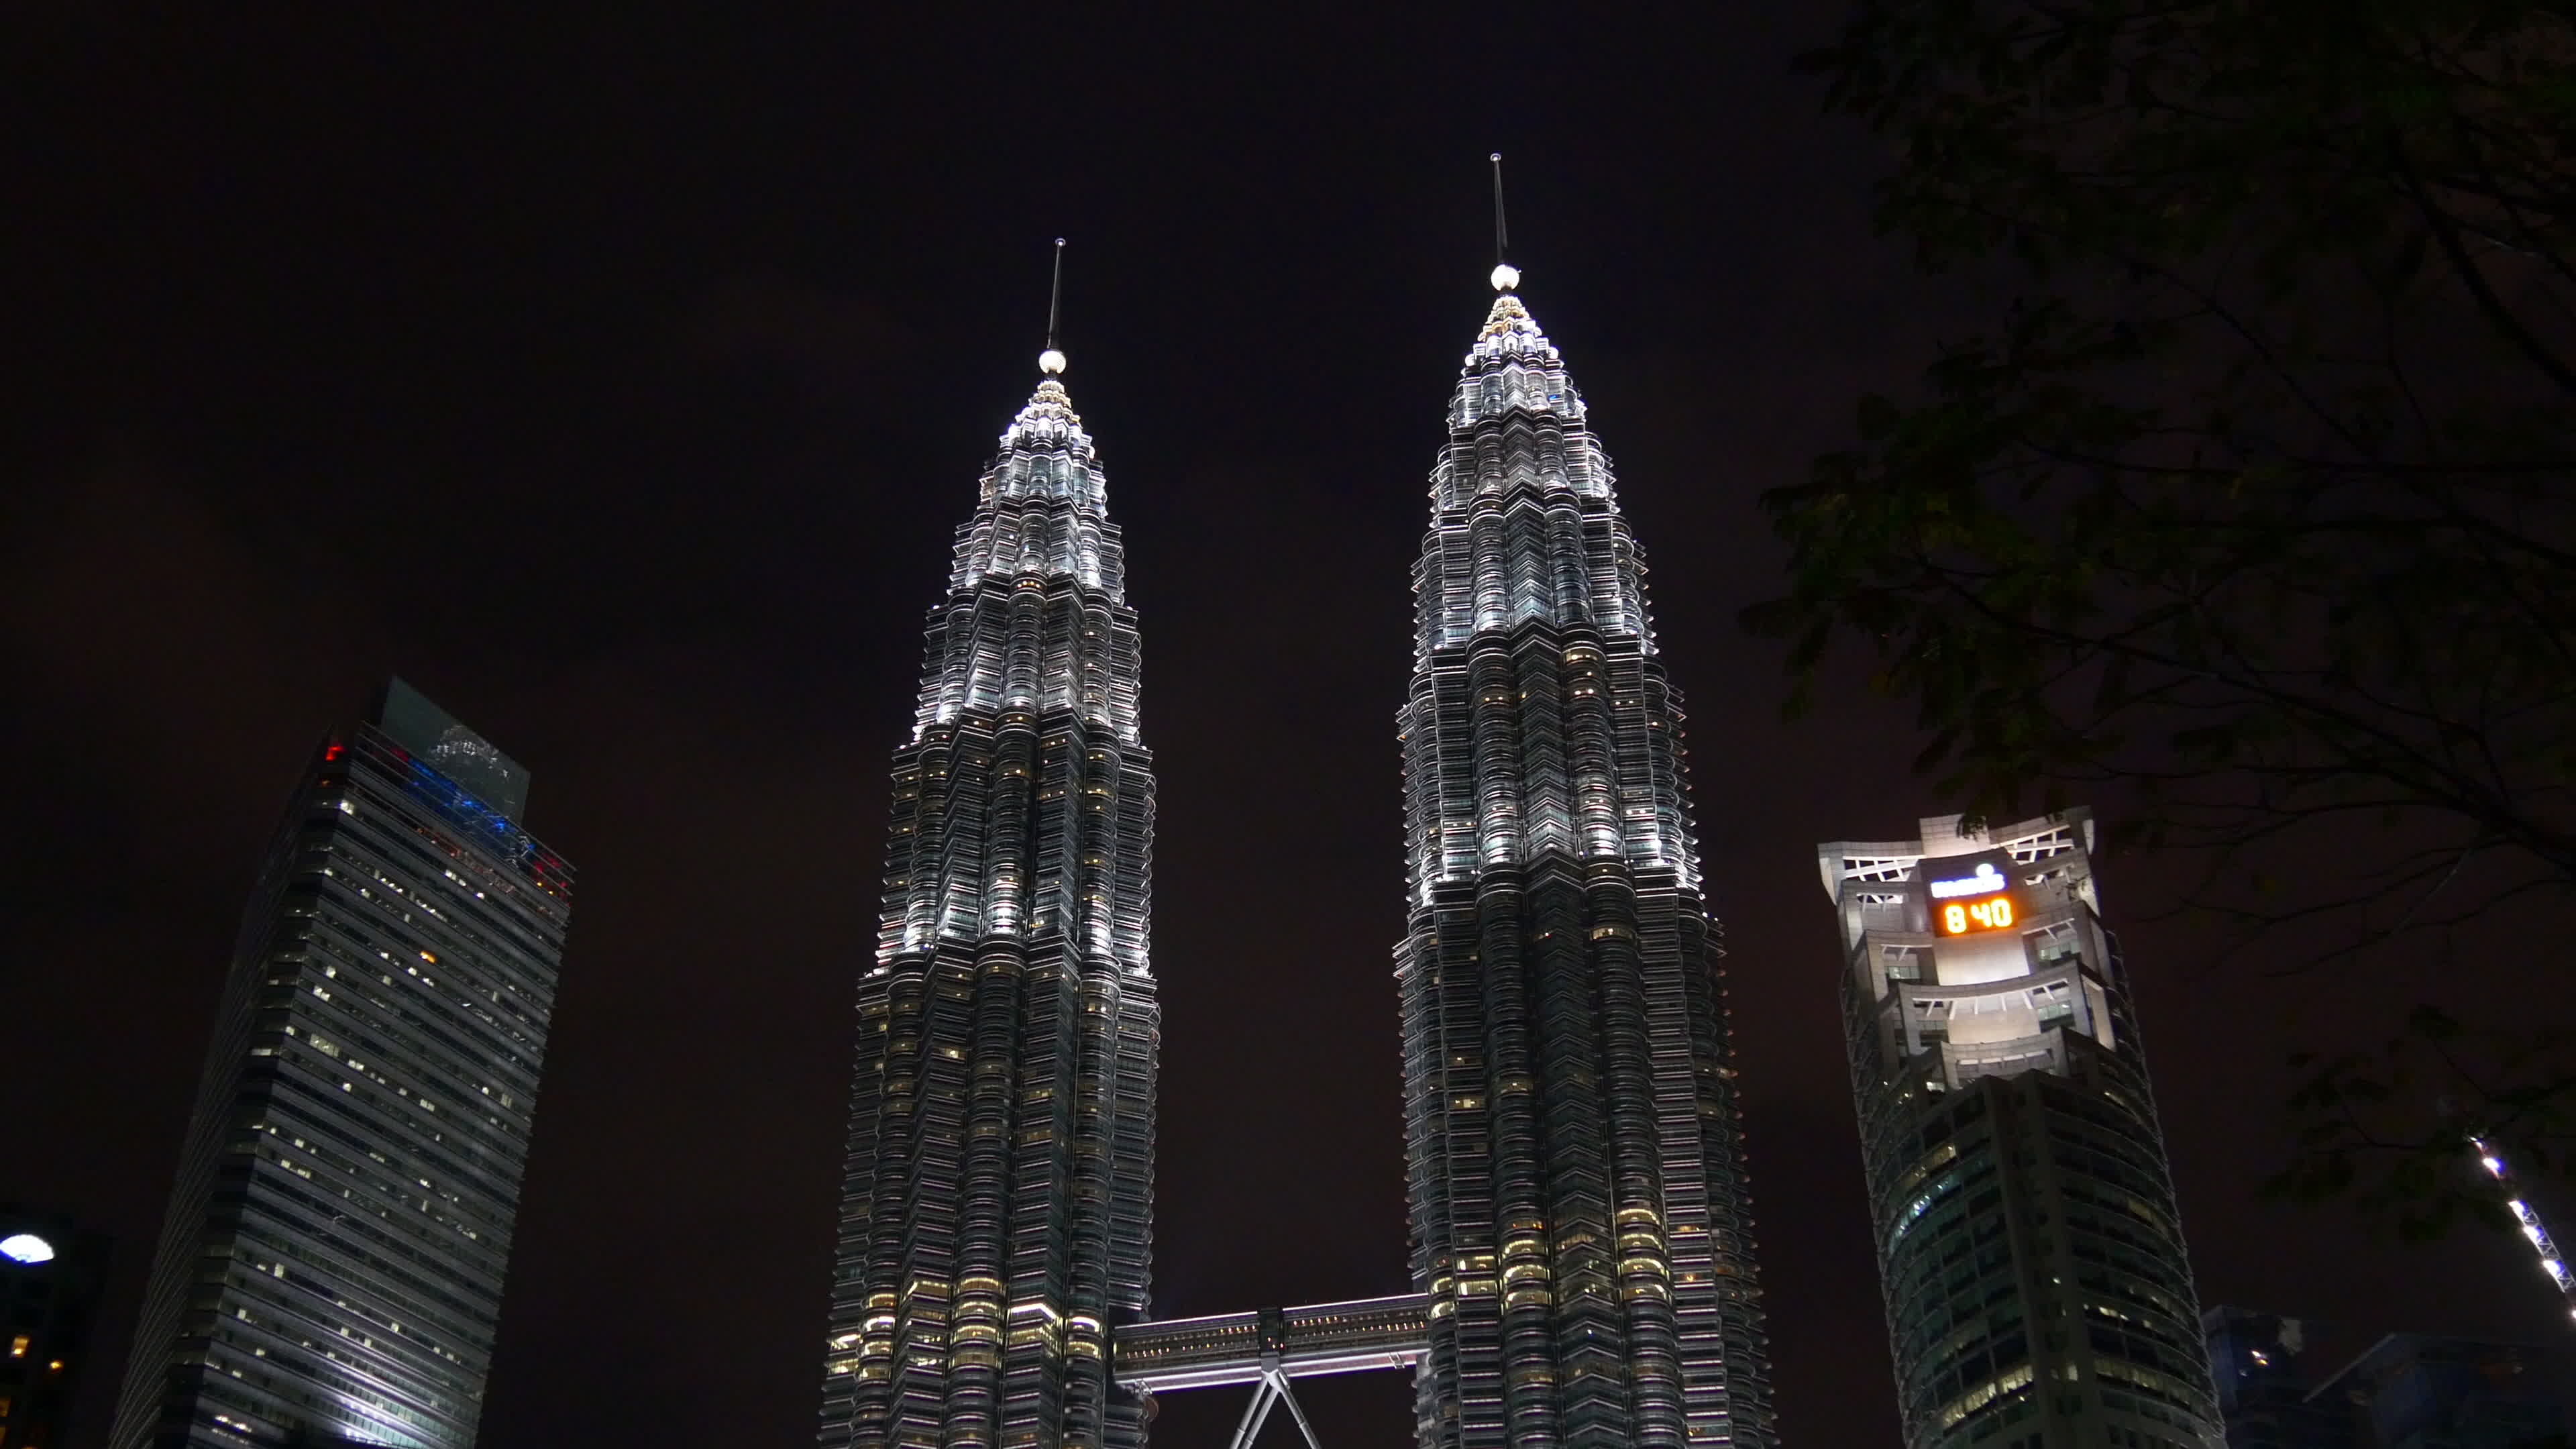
pixel 1269 1346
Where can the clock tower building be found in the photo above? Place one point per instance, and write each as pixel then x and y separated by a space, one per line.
pixel 2038 1294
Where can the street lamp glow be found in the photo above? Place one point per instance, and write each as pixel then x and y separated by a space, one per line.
pixel 27 1248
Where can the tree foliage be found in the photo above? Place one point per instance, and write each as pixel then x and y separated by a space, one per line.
pixel 2251 498
pixel 2387 1126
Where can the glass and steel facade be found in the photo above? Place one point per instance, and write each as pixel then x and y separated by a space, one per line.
pixel 995 1218
pixel 330 1271
pixel 2038 1292
pixel 1580 1220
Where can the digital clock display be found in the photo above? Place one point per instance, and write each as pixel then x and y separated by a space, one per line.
pixel 1958 918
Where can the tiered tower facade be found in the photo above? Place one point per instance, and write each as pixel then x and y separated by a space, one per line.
pixel 2038 1292
pixel 1580 1216
pixel 995 1221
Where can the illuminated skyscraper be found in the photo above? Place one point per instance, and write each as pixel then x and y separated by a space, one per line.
pixel 1580 1215
pixel 995 1217
pixel 2038 1294
pixel 330 1270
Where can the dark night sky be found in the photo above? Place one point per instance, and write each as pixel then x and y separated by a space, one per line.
pixel 619 381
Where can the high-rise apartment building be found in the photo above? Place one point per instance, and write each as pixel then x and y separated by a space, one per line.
pixel 330 1271
pixel 2038 1294
pixel 1580 1222
pixel 995 1216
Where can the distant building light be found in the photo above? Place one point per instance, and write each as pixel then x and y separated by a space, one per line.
pixel 27 1248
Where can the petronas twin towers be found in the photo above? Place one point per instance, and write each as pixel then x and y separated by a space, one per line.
pixel 1582 1260
pixel 1579 1210
pixel 995 1216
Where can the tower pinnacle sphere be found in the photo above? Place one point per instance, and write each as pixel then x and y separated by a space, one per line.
pixel 1506 277
pixel 1051 362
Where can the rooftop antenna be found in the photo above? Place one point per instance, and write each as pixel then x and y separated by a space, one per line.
pixel 1051 361
pixel 1506 276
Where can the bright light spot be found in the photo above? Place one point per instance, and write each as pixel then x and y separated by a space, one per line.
pixel 2494 1167
pixel 1050 361
pixel 1506 277
pixel 27 1248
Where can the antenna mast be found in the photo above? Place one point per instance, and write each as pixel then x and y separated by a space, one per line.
pixel 1052 361
pixel 1506 276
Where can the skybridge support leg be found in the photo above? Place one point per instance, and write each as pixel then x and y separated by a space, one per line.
pixel 1255 1412
pixel 1302 1426
pixel 1273 1389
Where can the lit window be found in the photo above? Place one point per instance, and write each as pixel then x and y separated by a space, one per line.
pixel 18 1346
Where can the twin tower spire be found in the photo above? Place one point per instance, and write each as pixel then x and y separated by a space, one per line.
pixel 1581 1237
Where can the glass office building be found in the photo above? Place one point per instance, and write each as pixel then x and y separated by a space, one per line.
pixel 2038 1293
pixel 1580 1220
pixel 995 1218
pixel 330 1270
